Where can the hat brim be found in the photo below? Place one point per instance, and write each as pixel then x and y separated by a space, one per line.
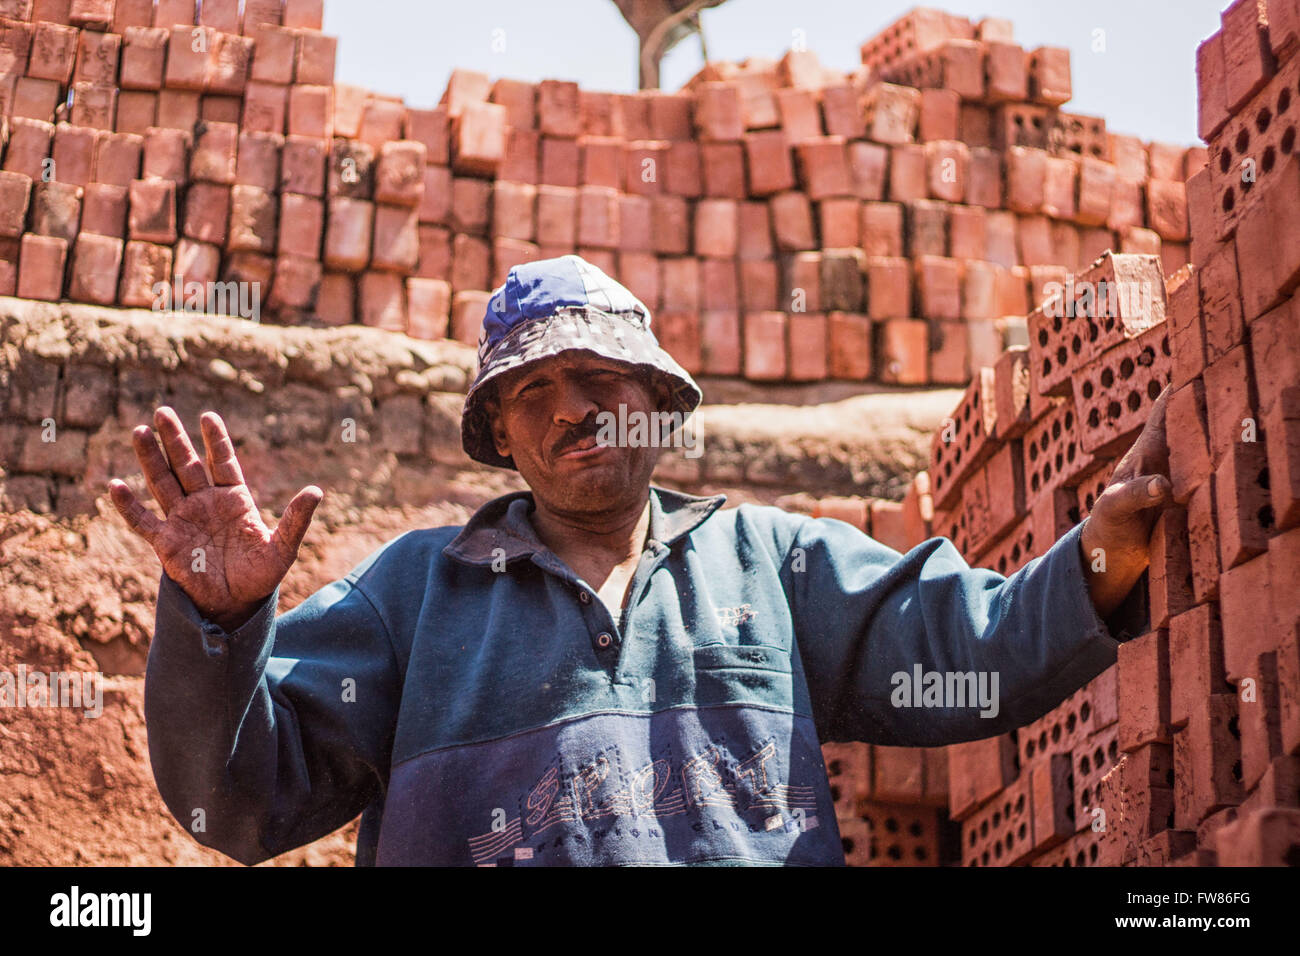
pixel 583 329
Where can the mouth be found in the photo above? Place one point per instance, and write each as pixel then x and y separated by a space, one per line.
pixel 582 449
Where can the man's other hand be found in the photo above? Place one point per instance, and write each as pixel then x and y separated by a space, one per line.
pixel 212 541
pixel 1117 534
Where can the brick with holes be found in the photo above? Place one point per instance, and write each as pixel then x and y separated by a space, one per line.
pixel 1245 513
pixel 1230 401
pixel 1003 841
pixel 1259 712
pixel 1170 572
pixel 1245 603
pixel 1282 436
pixel 1115 391
pixel 1207 761
pixel 1186 326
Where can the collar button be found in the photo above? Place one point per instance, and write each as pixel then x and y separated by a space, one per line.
pixel 603 640
pixel 584 597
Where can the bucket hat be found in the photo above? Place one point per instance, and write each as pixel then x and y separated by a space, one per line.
pixel 558 305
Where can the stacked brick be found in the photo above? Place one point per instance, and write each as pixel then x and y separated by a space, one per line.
pixel 1187 752
pixel 784 221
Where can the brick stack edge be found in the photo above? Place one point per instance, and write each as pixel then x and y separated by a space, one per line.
pixel 1187 751
pixel 785 222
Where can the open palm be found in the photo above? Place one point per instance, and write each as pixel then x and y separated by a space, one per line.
pixel 212 540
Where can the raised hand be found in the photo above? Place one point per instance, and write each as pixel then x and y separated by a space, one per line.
pixel 212 541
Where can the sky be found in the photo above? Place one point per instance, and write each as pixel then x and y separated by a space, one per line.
pixel 1133 61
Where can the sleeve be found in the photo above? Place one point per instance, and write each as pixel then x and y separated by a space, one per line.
pixel 270 737
pixel 922 650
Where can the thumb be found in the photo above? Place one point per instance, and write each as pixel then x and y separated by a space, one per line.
pixel 293 523
pixel 1136 494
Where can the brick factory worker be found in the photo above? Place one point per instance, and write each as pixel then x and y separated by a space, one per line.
pixel 596 671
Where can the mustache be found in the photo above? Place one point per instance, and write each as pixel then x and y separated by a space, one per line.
pixel 587 428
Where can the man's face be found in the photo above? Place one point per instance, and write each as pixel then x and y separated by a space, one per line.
pixel 547 418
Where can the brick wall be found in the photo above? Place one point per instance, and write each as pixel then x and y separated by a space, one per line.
pixel 1187 751
pixel 785 222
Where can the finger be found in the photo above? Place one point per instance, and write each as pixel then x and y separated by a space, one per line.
pixel 220 450
pixel 163 485
pixel 1135 495
pixel 184 461
pixel 293 524
pixel 138 518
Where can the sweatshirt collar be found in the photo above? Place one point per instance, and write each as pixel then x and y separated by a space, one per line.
pixel 500 528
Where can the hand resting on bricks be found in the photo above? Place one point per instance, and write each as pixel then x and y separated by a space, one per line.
pixel 1116 535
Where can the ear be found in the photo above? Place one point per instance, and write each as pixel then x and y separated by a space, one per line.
pixel 493 408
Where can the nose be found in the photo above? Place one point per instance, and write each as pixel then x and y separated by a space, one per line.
pixel 573 401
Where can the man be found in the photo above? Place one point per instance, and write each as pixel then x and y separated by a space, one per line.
pixel 597 671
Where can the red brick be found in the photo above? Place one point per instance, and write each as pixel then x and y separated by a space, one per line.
pixel 1203 542
pixel 803 282
pixel 841 113
pixel 1260 722
pixel 56 210
pixel 1189 458
pixel 639 271
pixel 636 223
pixel 1096 186
pixel 903 349
pixel 800 116
pixel 1282 434
pixel 927 228
pixel 807 347
pixel 1170 574
pixel 759 286
pixel 471 263
pixel 15 197
pixel 136 112
pixel 557 215
pixel 1248 626
pixel 1288 672
pixel 602 161
pixel 1242 495
pixel 868 163
pixel 96 264
pixel 891 113
pixel 302 225
pixel 297 284
pixel 1248 60
pixel 557 108
pixel 849 346
pixel 253 220
pixel 1229 396
pixel 399 174
pixel 172 12
pixel 382 296
pixel 716 225
pixel 792 222
pixel 672 232
pixel 306 14
pixel 1195 661
pixel 1011 393
pixel 1211 75
pixel 560 162
pixel 467 309
pixel 302 166
pixel 29 146
pixel 207 213
pixel 596 114
pixel 718 112
pixel 680 289
pixel 907 173
pixel 41 264
pixel 946 170
pixel 429 127
pixel 428 308
pixel 1126 206
pixel 145 266
pixel 1114 392
pixel 396 244
pixel 824 169
pixel 35 99
pixel 967 230
pixel 938 284
pixel 479 139
pixel 1204 756
pixel 94 106
pixel 1144 691
pixel 682 175
pixel 463 88
pixel 1006 73
pixel 1186 328
pixel 598 217
pixel 53 52
pixel 471 205
pixel 215 153
pixel 770 167
pixel 882 229
pixel 841 280
pixel 723 168
pixel 938 115
pixel 765 346
pixel 310 111
pixel 435 253
pixel 348 234
pixel 949 353
pixel 314 64
pixel 644 166
pixel 720 348
pixel 382 120
pixel 755 239
pixel 117 158
pixel 1049 75
pixel 1026 176
pixel 1283 596
pixel 144 51
pixel 839 221
pixel 153 211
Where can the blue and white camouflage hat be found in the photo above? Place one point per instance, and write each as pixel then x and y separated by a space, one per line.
pixel 557 305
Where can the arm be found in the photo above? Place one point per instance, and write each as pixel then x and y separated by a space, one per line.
pixel 863 614
pixel 256 727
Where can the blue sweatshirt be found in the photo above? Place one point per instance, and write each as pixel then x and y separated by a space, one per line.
pixel 477 703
